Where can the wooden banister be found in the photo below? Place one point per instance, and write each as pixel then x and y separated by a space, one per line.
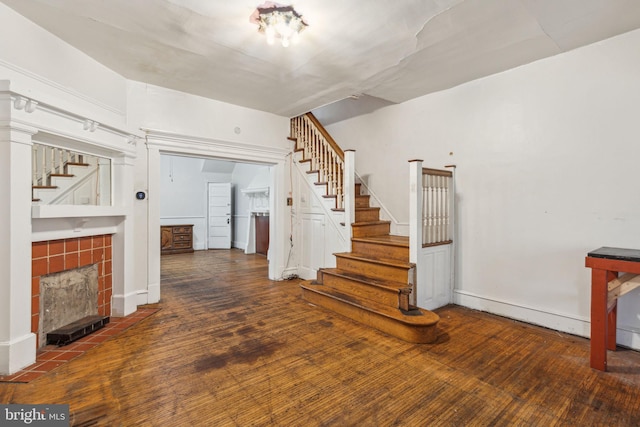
pixel 326 135
pixel 322 153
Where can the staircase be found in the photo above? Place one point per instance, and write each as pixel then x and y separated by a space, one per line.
pixel 56 183
pixel 61 176
pixel 372 284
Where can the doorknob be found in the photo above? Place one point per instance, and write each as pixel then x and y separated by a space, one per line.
pixel 227 220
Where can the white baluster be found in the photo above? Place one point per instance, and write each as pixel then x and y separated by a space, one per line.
pixel 61 161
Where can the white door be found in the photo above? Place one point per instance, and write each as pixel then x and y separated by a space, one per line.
pixel 219 236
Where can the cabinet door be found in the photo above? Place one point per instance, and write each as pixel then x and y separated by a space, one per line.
pixel 166 238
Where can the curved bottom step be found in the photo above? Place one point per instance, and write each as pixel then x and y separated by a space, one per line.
pixel 417 326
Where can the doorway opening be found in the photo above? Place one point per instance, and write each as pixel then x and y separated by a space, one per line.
pixel 214 198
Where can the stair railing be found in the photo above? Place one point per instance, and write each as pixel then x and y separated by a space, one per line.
pixel 47 161
pixel 436 207
pixel 431 214
pixel 321 150
pixel 89 187
pixel 335 167
pixel 431 195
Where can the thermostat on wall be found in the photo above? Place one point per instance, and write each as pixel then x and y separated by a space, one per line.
pixel 141 195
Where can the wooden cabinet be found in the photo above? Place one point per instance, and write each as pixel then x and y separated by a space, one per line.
pixel 175 239
pixel 262 234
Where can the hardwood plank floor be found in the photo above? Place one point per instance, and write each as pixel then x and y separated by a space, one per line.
pixel 231 348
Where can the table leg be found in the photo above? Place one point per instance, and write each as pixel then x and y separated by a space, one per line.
pixel 599 317
pixel 612 326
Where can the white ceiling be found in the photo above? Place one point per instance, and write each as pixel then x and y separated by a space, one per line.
pixel 364 53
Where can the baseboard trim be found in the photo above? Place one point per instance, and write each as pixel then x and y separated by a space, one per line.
pixel 17 354
pixel 626 337
pixel 124 305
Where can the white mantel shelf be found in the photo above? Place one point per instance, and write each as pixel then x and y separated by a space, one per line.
pixel 253 192
pixel 67 211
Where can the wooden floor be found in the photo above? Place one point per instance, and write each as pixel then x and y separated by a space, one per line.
pixel 231 348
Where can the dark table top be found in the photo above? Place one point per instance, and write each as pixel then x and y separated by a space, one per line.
pixel 616 253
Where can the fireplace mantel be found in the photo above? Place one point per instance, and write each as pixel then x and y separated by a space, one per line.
pixel 66 211
pixel 256 192
pixel 52 222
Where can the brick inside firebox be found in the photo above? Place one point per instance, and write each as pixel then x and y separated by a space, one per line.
pixel 57 255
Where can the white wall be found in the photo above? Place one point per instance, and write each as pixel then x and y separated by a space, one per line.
pixel 183 195
pixel 547 170
pixel 54 72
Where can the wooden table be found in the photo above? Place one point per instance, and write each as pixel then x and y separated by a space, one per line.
pixel 606 288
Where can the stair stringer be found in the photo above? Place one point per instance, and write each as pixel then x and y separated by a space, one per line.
pixel 336 217
pixel 334 231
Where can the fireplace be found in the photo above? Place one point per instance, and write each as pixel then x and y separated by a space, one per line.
pixel 72 275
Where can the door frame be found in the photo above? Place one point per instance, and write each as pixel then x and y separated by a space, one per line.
pixel 187 145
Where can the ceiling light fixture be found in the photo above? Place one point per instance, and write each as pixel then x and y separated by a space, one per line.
pixel 278 21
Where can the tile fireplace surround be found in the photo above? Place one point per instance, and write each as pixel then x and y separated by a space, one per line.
pixel 54 256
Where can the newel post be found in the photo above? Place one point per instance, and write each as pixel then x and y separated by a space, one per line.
pixel 349 195
pixel 415 210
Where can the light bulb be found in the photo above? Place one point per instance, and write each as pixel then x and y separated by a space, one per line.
pixel 270 32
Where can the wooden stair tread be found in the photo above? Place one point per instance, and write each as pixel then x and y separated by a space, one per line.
pixel 414 317
pixel 366 223
pixel 62 175
pixel 44 187
pixel 381 283
pixel 76 164
pixel 387 240
pixel 374 259
pixel 363 209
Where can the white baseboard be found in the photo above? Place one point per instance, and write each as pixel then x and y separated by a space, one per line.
pixel 626 337
pixel 123 305
pixel 142 298
pixel 289 272
pixel 17 354
pixel 153 293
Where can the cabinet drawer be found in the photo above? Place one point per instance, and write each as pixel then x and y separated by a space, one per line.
pixel 181 237
pixel 181 230
pixel 182 245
